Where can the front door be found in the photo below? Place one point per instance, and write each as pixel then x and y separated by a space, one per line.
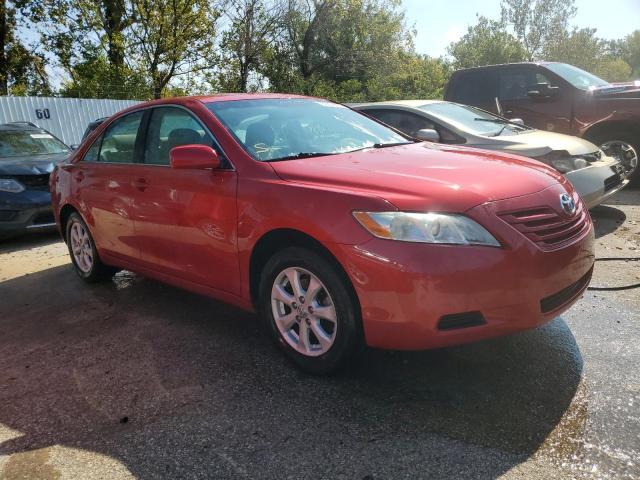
pixel 185 220
pixel 549 110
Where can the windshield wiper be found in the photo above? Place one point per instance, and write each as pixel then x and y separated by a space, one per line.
pixel 385 145
pixel 504 122
pixel 492 120
pixel 296 156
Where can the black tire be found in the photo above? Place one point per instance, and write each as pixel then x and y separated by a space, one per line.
pixel 348 333
pixel 627 136
pixel 98 271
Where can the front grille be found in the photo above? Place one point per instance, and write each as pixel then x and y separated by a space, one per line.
pixel 455 321
pixel 612 182
pixel 548 229
pixel 555 301
pixel 8 215
pixel 33 182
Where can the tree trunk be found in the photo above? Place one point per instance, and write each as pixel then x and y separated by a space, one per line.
pixel 4 67
pixel 114 14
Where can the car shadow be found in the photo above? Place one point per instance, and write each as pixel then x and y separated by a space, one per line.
pixel 175 385
pixel 606 219
pixel 28 241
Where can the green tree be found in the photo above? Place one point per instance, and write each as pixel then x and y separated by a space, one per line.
pixel 486 43
pixel 244 45
pixel 582 48
pixel 630 52
pixel 537 22
pixel 94 77
pixel 22 71
pixel 328 42
pixel 171 38
pixel 71 28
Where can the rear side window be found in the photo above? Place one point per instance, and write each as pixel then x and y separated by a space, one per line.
pixel 406 122
pixel 475 87
pixel 119 141
pixel 172 127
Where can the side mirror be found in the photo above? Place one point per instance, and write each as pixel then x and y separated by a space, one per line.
pixel 519 121
pixel 428 135
pixel 195 157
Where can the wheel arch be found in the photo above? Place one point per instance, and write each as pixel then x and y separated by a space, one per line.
pixel 595 132
pixel 65 213
pixel 274 240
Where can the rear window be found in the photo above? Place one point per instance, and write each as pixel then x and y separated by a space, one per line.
pixel 15 143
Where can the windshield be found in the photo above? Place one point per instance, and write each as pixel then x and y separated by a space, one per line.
pixel 577 77
pixel 471 119
pixel 14 143
pixel 283 128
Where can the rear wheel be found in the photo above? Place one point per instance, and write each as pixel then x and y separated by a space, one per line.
pixel 82 250
pixel 309 310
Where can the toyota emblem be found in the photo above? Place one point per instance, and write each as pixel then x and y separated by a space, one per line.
pixel 567 204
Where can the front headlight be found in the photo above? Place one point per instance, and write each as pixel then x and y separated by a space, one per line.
pixel 10 185
pixel 566 165
pixel 425 228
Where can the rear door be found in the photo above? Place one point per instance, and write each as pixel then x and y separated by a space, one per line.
pixel 551 110
pixel 102 186
pixel 186 219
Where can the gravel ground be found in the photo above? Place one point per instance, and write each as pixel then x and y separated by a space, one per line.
pixel 135 379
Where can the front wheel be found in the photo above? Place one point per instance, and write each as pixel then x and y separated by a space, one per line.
pixel 83 252
pixel 309 310
pixel 624 148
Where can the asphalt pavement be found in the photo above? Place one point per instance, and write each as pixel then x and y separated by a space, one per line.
pixel 135 379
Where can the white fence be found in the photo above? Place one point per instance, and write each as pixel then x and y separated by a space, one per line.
pixel 66 118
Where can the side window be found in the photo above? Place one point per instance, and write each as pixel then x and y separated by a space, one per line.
pixel 119 141
pixel 475 87
pixel 515 82
pixel 406 122
pixel 172 127
pixel 91 155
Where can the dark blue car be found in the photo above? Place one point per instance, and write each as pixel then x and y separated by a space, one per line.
pixel 28 155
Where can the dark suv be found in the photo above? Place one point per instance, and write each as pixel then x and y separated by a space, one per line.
pixel 560 98
pixel 28 155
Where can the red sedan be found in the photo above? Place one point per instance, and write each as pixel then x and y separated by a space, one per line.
pixel 339 231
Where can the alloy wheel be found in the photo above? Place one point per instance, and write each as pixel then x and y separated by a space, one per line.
pixel 303 311
pixel 81 247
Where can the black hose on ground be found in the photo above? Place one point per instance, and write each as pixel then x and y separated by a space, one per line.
pixel 624 287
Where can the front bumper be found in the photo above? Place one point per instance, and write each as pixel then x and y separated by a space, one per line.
pixel 598 182
pixel 419 296
pixel 25 212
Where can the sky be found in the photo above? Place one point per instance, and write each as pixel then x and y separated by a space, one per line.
pixel 440 22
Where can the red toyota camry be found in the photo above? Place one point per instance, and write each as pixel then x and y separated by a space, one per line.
pixel 339 231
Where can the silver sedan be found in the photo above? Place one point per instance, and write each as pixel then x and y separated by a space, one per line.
pixel 594 175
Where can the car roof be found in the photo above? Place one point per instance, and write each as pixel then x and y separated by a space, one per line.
pixel 20 127
pixel 501 65
pixel 218 97
pixel 401 103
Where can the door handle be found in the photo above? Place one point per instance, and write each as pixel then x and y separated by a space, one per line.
pixel 79 176
pixel 140 184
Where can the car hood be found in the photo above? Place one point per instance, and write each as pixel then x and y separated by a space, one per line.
pixel 618 90
pixel 30 165
pixel 536 143
pixel 424 176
